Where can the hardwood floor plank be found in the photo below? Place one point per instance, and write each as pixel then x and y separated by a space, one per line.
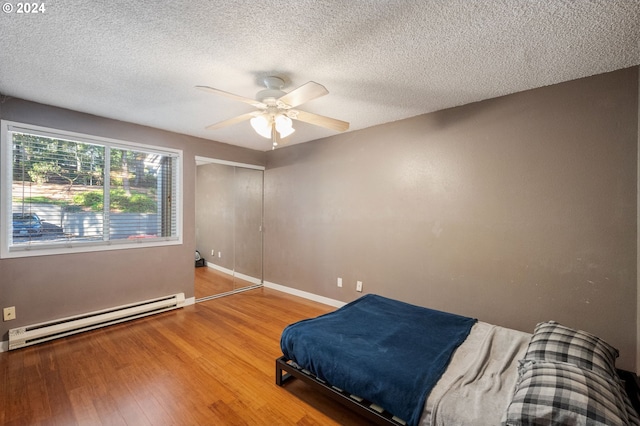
pixel 121 398
pixel 209 363
pixel 138 384
pixel 84 411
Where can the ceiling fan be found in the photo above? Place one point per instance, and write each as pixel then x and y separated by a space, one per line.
pixel 273 119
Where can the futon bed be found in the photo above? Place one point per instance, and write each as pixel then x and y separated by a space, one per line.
pixel 397 363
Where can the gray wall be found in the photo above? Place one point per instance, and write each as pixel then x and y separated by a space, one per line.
pixel 514 210
pixel 50 287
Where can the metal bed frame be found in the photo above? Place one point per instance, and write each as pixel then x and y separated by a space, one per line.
pixel 287 370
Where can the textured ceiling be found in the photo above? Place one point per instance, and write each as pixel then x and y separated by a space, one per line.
pixel 381 61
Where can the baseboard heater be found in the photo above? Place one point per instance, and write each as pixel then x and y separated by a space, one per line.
pixel 38 333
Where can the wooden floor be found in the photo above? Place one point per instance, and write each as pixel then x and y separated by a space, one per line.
pixel 211 363
pixel 209 281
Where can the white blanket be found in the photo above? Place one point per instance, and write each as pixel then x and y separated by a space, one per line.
pixel 480 379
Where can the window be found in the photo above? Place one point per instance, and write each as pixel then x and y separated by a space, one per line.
pixel 65 192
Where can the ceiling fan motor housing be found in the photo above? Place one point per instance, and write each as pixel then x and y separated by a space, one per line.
pixel 269 96
pixel 273 91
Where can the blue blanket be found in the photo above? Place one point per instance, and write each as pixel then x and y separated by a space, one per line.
pixel 388 352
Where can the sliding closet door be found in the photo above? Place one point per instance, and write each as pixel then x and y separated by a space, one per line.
pixel 228 227
pixel 248 226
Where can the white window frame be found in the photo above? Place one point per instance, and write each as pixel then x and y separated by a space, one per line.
pixel 6 174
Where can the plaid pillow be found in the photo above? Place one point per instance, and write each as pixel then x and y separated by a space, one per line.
pixel 554 342
pixel 555 393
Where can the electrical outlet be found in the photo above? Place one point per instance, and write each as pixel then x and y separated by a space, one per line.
pixel 339 282
pixel 9 313
pixel 359 286
pixel 219 254
pixel 213 252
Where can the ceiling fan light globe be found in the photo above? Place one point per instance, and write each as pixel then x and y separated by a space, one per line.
pixel 284 126
pixel 264 133
pixel 282 122
pixel 286 132
pixel 262 126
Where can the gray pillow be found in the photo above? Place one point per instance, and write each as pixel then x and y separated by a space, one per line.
pixel 557 393
pixel 554 342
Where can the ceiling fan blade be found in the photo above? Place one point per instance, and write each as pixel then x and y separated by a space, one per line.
pixel 249 101
pixel 319 120
pixel 305 93
pixel 234 120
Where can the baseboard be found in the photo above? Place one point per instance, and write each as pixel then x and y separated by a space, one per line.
pixel 4 346
pixel 248 278
pixel 305 295
pixel 189 301
pixel 220 268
